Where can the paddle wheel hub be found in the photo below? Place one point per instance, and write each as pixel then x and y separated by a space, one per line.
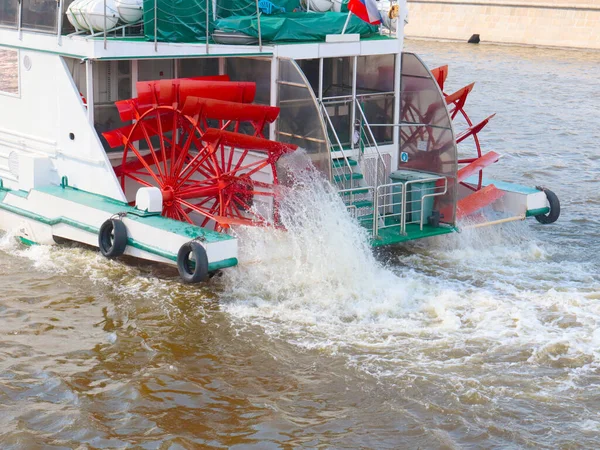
pixel 201 142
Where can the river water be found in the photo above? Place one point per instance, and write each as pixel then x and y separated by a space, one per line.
pixel 484 339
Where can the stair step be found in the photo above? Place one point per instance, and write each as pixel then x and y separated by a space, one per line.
pixel 361 204
pixel 341 163
pixel 348 177
pixel 355 192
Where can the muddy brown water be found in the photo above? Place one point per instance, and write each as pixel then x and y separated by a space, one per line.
pixel 484 339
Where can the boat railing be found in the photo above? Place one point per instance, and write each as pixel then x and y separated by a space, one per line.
pixel 369 142
pixel 346 168
pixel 396 205
pixel 424 191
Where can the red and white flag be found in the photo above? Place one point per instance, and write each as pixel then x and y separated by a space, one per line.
pixel 365 9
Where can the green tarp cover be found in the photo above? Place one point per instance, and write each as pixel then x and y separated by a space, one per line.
pixel 177 20
pixel 227 8
pixel 294 27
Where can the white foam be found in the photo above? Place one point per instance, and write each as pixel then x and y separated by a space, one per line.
pixel 494 290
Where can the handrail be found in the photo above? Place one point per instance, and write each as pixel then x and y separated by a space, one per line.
pixel 387 205
pixel 337 139
pixel 349 98
pixel 366 125
pixel 434 194
pixel 359 191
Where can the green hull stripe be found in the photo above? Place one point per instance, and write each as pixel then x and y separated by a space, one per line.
pixel 537 212
pixel 93 230
pixel 113 206
pixel 230 262
pixel 27 241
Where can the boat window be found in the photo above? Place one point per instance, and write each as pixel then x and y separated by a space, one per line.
pixel 156 69
pixel 67 28
pixel 426 135
pixel 375 92
pixel 310 67
pixel 337 96
pixel 198 67
pixel 299 120
pixel 9 11
pixel 9 71
pixel 337 76
pixel 77 70
pixel 112 82
pixel 39 15
pixel 252 69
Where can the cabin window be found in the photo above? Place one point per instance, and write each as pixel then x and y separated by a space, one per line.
pixel 299 120
pixel 77 70
pixel 198 67
pixel 9 71
pixel 337 97
pixel 310 67
pixel 112 82
pixel 252 69
pixel 375 93
pixel 9 12
pixel 67 28
pixel 39 15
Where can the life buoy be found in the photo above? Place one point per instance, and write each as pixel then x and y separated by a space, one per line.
pixel 554 213
pixel 112 238
pixel 192 262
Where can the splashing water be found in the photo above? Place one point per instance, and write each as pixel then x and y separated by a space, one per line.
pixel 450 300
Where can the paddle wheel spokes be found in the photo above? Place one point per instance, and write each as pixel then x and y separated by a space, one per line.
pixel 211 177
pixel 456 102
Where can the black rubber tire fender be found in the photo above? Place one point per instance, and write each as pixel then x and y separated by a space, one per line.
pixel 195 271
pixel 112 238
pixel 554 213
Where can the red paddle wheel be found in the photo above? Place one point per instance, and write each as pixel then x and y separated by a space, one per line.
pixel 424 133
pixel 201 142
pixel 482 196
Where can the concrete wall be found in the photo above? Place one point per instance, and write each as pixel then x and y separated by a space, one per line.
pixel 558 23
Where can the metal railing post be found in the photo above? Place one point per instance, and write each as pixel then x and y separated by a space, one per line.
pixel 104 25
pixel 207 26
pixel 59 7
pixel 259 32
pixel 156 25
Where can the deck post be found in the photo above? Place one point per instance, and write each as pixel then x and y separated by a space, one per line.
pixel 20 20
pixel 104 26
pixel 274 93
pixel 353 111
pixel 207 25
pixel 259 32
pixel 156 25
pixel 89 93
pixel 59 21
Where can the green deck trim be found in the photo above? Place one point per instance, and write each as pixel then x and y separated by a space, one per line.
pixel 389 236
pixel 348 177
pixel 537 212
pixel 94 230
pixel 113 206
